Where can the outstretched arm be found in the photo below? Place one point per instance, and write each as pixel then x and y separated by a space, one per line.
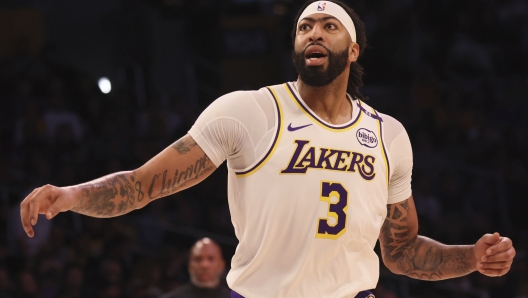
pixel 179 166
pixel 405 252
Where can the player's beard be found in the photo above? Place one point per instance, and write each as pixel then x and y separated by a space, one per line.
pixel 318 76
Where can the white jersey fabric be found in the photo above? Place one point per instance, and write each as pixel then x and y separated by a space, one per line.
pixel 307 198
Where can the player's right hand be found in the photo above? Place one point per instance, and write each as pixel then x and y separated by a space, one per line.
pixel 48 200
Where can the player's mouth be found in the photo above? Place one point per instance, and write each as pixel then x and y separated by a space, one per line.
pixel 315 55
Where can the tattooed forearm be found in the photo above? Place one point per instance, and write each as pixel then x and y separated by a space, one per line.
pixel 109 196
pixel 160 186
pixel 420 257
pixel 164 174
pixel 184 145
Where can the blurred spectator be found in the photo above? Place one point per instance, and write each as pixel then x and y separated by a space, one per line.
pixel 49 273
pixel 30 127
pixel 145 280
pixel 58 115
pixel 73 284
pixel 111 273
pixel 27 285
pixel 111 291
pixel 6 284
pixel 206 267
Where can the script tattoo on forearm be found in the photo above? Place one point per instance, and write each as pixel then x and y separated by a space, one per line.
pixel 420 257
pixel 109 196
pixel 160 186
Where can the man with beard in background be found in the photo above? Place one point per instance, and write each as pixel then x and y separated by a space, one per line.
pixel 206 266
pixel 316 177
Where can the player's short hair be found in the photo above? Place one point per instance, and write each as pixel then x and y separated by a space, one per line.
pixel 355 79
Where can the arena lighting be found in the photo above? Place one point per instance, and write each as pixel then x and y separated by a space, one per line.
pixel 105 85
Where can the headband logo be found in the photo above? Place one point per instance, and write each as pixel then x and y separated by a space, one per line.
pixel 321 7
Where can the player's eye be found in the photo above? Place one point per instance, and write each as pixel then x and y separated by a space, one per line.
pixel 331 26
pixel 303 27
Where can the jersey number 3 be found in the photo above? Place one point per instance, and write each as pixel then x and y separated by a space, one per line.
pixel 336 210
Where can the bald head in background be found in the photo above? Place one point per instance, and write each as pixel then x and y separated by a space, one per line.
pixel 206 263
pixel 206 266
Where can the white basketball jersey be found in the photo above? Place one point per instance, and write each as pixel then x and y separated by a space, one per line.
pixel 308 213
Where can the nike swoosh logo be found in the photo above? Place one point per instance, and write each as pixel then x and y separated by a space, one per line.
pixel 290 128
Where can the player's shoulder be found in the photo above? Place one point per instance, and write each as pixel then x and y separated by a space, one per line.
pixel 392 129
pixel 390 122
pixel 262 97
pixel 242 99
pixel 240 104
pixel 246 94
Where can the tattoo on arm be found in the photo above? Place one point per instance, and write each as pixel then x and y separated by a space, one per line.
pixel 184 145
pixel 109 196
pixel 120 193
pixel 180 180
pixel 420 257
pixel 395 228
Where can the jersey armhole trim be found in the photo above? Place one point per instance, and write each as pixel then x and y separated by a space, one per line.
pixel 276 139
pixel 383 150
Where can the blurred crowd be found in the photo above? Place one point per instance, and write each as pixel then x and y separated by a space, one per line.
pixel 58 128
pixel 455 73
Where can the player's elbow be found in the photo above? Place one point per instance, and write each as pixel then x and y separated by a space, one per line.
pixel 393 268
pixel 392 264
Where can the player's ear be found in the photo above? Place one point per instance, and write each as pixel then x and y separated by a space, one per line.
pixel 353 52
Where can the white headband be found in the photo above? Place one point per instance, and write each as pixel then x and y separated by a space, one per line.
pixel 330 8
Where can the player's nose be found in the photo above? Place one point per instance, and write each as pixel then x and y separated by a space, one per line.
pixel 316 33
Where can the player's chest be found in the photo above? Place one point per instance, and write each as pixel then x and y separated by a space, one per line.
pixel 306 147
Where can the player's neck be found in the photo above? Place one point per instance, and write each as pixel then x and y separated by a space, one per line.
pixel 329 102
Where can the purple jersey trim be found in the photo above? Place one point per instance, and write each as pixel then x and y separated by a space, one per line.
pixel 362 294
pixel 365 294
pixel 236 295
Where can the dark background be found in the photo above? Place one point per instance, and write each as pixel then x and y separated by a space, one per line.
pixel 454 72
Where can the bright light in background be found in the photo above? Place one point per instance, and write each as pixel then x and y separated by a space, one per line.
pixel 105 85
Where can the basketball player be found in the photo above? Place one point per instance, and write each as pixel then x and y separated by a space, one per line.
pixel 316 176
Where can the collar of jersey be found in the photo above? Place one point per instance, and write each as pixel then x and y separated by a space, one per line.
pixel 356 112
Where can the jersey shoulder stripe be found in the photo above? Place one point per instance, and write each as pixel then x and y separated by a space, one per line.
pixel 276 138
pixel 383 149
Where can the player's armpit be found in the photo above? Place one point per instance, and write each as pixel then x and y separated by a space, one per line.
pixel 405 252
pixel 179 166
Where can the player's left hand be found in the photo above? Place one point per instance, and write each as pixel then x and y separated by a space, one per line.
pixel 494 254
